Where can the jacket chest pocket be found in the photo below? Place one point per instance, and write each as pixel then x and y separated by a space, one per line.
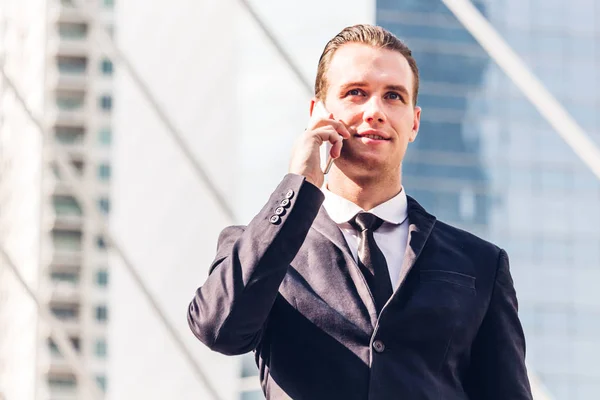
pixel 439 306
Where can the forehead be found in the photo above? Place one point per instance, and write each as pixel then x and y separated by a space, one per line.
pixel 357 62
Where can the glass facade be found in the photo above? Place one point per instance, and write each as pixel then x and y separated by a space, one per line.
pixel 486 161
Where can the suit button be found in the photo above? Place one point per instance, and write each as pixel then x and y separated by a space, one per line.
pixel 275 219
pixel 289 194
pixel 279 211
pixel 379 346
pixel 285 203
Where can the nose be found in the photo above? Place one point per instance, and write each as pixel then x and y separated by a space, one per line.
pixel 373 111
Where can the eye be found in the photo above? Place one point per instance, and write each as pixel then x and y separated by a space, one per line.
pixel 355 92
pixel 394 96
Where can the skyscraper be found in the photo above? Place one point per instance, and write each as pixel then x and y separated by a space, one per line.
pixel 47 50
pixel 486 161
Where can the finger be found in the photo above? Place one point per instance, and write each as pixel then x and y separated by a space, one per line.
pixel 344 130
pixel 339 126
pixel 327 134
pixel 336 149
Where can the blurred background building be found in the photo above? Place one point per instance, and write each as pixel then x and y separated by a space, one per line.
pixel 484 160
pixel 47 46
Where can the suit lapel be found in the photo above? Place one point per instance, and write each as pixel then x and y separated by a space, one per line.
pixel 420 226
pixel 328 228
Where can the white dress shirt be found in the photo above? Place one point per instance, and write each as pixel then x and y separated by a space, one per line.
pixel 391 237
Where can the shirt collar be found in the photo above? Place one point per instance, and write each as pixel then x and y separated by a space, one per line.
pixel 341 210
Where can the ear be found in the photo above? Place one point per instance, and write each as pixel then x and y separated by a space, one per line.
pixel 416 124
pixel 313 101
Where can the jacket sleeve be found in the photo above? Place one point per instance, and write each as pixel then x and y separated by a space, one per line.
pixel 497 370
pixel 228 313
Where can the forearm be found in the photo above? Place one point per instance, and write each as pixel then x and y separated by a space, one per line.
pixel 229 311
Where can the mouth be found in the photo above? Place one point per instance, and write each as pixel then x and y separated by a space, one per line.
pixel 371 135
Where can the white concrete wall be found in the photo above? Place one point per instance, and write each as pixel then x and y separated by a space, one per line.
pixel 23 38
pixel 239 109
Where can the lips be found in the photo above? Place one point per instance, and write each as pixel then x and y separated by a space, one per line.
pixel 373 135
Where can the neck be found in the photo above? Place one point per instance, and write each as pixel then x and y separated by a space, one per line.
pixel 365 192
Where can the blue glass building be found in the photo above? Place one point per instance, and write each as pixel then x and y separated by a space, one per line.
pixel 487 161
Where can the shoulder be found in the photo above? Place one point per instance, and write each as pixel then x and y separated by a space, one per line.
pixel 463 239
pixel 448 235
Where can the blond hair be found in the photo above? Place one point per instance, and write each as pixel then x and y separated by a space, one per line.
pixel 375 36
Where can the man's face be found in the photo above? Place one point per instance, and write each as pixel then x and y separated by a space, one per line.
pixel 371 91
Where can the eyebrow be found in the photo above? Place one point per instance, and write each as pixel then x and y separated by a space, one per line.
pixel 398 88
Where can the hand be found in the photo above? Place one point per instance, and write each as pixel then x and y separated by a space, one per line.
pixel 305 155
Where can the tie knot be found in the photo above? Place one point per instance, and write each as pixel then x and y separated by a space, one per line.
pixel 363 221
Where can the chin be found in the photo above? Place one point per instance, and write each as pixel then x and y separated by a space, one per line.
pixel 363 169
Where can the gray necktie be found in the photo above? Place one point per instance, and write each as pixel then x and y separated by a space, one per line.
pixel 371 259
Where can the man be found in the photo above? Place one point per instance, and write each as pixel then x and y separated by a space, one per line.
pixel 355 291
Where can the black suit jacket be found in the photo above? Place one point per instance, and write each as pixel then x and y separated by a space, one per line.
pixel 288 288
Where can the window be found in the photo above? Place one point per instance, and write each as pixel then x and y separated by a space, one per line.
pixel 105 136
pixel 65 312
pixel 101 314
pixel 104 171
pixel 62 382
pixel 102 278
pixel 249 367
pixel 100 348
pixel 254 395
pixel 104 205
pixel 106 102
pixel 69 134
pixel 54 348
pixel 66 240
pixel 70 100
pixel 72 30
pixel 101 380
pixel 66 206
pixel 72 277
pixel 100 243
pixel 107 67
pixel 71 64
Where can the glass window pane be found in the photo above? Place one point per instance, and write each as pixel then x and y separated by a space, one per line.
pixel 102 278
pixel 62 382
pixel 100 242
pixel 101 313
pixel 104 172
pixel 254 395
pixel 101 348
pixel 70 100
pixel 249 367
pixel 72 30
pixel 106 67
pixel 101 380
pixel 66 205
pixel 105 136
pixel 69 134
pixel 104 205
pixel 71 277
pixel 106 102
pixel 71 64
pixel 67 240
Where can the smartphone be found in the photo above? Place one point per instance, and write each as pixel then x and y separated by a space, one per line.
pixel 326 159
